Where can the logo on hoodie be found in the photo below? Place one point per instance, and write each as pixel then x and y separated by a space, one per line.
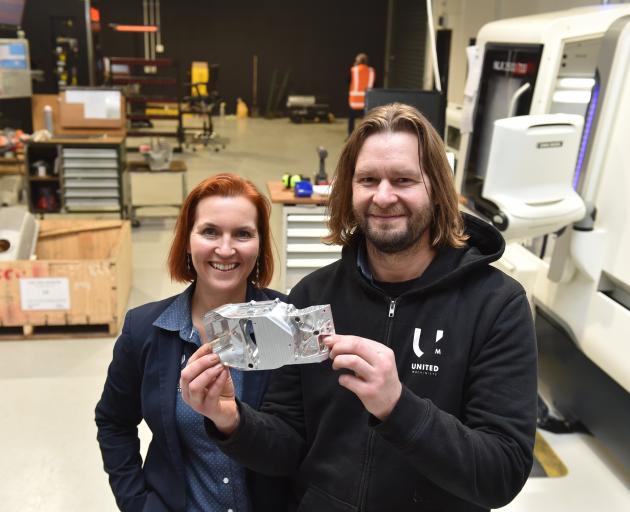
pixel 425 368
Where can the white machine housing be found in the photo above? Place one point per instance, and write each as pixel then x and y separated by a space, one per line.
pixel 605 184
pixel 580 28
pixel 529 174
pixel 570 42
pixel 594 299
pixel 581 293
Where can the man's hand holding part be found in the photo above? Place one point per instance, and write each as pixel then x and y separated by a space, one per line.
pixel 375 380
pixel 207 387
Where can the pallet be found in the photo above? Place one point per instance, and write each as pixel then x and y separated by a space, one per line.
pixel 35 332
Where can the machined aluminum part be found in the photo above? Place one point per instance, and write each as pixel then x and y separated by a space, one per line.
pixel 268 334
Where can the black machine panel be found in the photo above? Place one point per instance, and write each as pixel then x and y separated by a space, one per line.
pixel 579 389
pixel 506 68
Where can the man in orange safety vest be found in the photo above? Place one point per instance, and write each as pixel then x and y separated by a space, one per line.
pixel 361 79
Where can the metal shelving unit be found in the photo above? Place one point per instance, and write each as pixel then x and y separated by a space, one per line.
pixel 149 85
pixel 86 177
pixel 91 179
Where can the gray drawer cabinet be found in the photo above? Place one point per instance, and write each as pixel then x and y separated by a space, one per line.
pixel 304 252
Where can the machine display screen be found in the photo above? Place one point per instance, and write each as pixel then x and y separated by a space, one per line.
pixel 15 74
pixel 431 104
pixel 13 55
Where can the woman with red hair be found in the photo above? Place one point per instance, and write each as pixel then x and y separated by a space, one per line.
pixel 222 246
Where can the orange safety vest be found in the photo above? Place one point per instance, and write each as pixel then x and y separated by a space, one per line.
pixel 361 79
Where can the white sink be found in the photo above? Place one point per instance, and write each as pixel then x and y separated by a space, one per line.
pixel 18 234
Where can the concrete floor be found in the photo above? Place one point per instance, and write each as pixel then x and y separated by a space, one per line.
pixel 49 456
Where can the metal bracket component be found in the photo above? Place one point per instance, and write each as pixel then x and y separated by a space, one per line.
pixel 269 334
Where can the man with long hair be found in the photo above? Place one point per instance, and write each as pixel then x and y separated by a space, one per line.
pixel 429 399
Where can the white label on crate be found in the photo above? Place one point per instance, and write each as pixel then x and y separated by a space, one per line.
pixel 45 293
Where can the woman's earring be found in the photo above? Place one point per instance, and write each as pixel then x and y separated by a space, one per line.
pixel 189 263
pixel 257 272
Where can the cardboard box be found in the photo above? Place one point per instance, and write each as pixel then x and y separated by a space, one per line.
pixel 80 281
pixel 74 116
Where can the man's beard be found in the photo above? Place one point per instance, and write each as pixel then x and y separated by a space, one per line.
pixel 393 240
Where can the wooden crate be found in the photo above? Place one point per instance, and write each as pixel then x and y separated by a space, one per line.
pixel 95 257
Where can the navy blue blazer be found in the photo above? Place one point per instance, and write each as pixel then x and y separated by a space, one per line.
pixel 141 383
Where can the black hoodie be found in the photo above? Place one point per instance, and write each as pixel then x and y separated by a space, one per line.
pixel 462 434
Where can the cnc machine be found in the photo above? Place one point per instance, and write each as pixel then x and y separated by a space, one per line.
pixel 570 63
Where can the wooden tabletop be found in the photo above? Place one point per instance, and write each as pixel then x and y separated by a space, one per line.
pixel 13 165
pixel 92 140
pixel 282 195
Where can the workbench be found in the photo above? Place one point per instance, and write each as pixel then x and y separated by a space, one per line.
pixel 168 187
